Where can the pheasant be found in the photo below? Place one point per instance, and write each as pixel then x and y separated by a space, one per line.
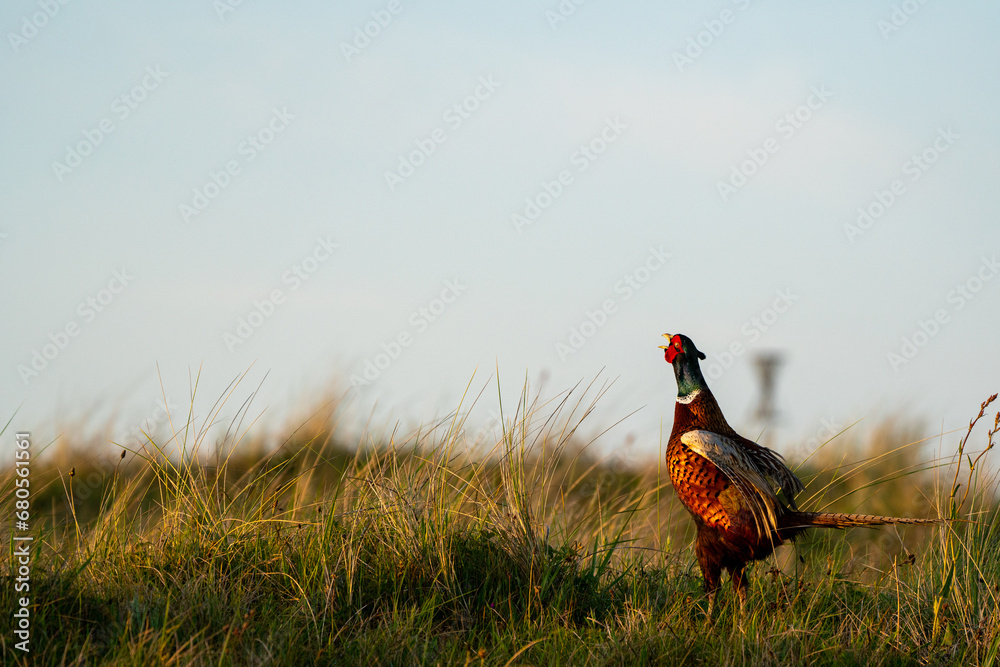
pixel 730 485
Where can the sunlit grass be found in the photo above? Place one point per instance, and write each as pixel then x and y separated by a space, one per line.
pixel 430 547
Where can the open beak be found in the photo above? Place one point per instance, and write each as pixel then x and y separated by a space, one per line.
pixel 668 337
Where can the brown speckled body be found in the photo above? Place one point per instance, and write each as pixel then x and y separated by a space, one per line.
pixel 723 503
pixel 728 535
pixel 698 483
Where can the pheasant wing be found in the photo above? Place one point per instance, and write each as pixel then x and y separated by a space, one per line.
pixel 755 471
pixel 772 465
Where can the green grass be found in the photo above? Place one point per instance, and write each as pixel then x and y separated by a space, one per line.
pixel 398 549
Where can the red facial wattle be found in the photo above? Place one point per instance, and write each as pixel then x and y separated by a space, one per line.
pixel 669 353
pixel 675 347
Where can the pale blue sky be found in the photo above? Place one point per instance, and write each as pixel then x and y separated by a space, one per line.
pixel 201 84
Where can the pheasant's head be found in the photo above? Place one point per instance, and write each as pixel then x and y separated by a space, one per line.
pixel 679 345
pixel 683 356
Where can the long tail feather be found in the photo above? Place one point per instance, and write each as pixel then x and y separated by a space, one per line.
pixel 832 520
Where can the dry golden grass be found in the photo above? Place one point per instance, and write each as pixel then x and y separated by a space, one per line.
pixel 427 547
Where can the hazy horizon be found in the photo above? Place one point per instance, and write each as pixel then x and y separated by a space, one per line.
pixel 403 196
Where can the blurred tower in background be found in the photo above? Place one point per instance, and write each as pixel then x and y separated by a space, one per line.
pixel 766 416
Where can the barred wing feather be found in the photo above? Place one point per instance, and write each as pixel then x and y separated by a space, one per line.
pixel 757 473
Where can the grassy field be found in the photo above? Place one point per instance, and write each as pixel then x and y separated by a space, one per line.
pixel 519 547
